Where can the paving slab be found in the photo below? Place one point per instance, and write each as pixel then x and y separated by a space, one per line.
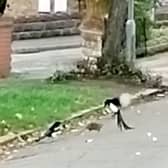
pixel 157 64
pixel 45 44
pixel 42 65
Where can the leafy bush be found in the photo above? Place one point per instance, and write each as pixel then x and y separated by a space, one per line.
pixel 143 22
pixel 59 76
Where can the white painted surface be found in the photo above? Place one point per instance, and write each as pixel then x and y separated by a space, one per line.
pixel 164 2
pixel 60 6
pixel 44 5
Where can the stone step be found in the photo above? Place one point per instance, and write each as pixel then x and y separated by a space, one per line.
pixel 48 25
pixel 45 33
pixel 43 26
pixel 44 18
pixel 162 16
pixel 162 13
pixel 45 44
pixel 161 23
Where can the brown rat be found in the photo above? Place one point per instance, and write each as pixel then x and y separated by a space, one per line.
pixel 94 126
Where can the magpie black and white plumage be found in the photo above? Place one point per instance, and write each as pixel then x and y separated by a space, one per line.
pixel 55 127
pixel 115 104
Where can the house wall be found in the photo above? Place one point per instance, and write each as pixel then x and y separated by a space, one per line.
pixel 22 8
pixel 72 6
pixel 30 7
pixel 164 2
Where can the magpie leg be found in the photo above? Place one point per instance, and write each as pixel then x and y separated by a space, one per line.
pixel 121 122
pixel 114 114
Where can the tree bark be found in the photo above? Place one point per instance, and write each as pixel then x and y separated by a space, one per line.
pixel 115 34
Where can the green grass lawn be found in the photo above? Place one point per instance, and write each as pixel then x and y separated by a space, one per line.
pixel 40 103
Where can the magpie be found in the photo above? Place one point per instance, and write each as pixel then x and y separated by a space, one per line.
pixel 115 104
pixel 55 127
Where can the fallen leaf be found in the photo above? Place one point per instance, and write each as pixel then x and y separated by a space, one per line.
pixel 138 111
pixel 42 133
pixel 89 140
pixel 160 95
pixel 149 134
pixel 32 109
pixel 91 117
pixel 11 133
pixel 55 111
pixel 81 124
pixel 29 140
pixel 154 139
pixel 7 153
pixel 104 112
pixel 6 130
pixel 31 126
pixel 1 151
pixel 15 151
pixel 132 107
pixel 22 144
pixel 74 130
pixel 67 126
pixel 3 122
pixel 4 148
pixel 10 157
pixel 19 116
pixel 138 154
pixel 100 118
pixel 10 145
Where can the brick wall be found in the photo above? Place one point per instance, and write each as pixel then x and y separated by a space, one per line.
pixel 5 46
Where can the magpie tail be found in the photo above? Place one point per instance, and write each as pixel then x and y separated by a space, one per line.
pixel 121 123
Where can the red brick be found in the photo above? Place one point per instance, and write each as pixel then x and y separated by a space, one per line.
pixel 5 46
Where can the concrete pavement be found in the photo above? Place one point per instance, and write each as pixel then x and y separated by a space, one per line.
pixel 157 64
pixel 61 53
pixel 110 148
pixel 41 57
pixel 42 65
pixel 45 44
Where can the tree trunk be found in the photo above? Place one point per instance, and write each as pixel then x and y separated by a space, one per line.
pixel 115 34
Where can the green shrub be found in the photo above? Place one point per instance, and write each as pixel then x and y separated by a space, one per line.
pixel 143 22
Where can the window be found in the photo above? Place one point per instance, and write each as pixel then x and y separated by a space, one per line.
pixel 46 6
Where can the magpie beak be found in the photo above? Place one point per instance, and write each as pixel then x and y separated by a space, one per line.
pixel 115 106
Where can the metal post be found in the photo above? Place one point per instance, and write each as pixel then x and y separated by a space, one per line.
pixel 52 6
pixel 131 34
